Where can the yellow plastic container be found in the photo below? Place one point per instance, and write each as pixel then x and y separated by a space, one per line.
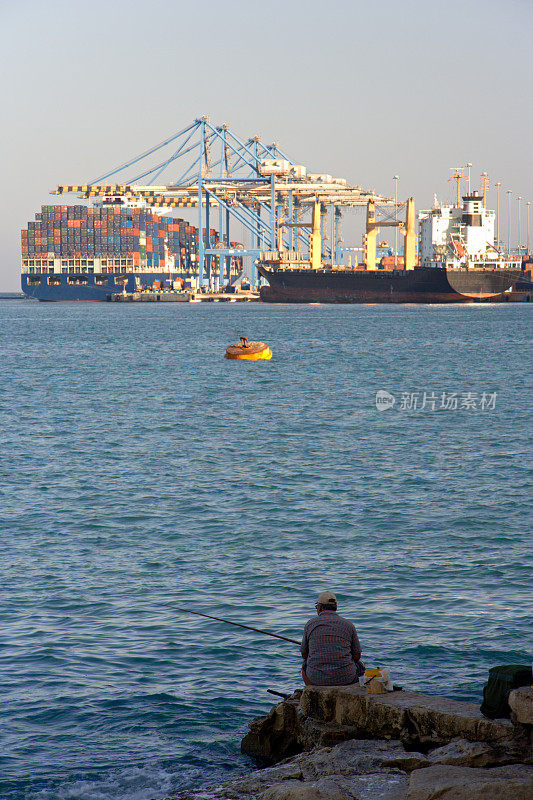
pixel 249 351
pixel 374 682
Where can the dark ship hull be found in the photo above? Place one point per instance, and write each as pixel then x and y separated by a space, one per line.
pixel 420 285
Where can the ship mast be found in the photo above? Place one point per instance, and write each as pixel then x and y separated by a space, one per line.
pixel 458 174
pixel 485 177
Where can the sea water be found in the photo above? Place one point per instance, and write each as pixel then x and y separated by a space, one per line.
pixel 142 471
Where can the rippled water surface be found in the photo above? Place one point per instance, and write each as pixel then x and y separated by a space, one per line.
pixel 141 470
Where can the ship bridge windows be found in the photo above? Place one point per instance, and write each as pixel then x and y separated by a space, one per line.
pixel 84 262
pixel 77 279
pixel 33 280
pixel 100 279
pixel 64 270
pixel 71 264
pixel 54 280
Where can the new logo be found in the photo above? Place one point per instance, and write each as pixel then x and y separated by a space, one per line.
pixel 384 400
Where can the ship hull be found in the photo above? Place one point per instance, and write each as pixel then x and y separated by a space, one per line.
pixel 420 285
pixel 86 288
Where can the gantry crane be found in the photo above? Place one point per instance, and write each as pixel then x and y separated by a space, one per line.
pixel 244 181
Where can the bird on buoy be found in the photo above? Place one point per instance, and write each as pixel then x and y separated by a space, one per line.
pixel 249 351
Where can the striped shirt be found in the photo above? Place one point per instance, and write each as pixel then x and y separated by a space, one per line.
pixel 331 649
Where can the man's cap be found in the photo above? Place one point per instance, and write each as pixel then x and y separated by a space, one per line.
pixel 326 598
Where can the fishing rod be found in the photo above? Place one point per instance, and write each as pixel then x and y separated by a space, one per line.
pixel 237 624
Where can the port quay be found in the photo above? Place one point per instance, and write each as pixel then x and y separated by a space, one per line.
pixel 126 244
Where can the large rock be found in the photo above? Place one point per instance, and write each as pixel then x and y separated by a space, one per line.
pixel 373 786
pixel 462 753
pixel 276 736
pixel 418 720
pixel 297 790
pixel 355 768
pixel 521 703
pixel 358 756
pixel 467 783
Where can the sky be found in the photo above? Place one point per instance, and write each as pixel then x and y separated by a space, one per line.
pixel 356 89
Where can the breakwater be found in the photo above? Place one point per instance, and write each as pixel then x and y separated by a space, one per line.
pixel 341 743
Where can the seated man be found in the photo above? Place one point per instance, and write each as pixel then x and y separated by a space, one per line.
pixel 330 647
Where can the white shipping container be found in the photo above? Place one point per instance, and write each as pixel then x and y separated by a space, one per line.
pixel 319 177
pixel 273 166
pixel 298 171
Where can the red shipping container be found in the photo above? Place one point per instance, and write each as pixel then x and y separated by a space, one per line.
pixel 161 234
pixel 135 231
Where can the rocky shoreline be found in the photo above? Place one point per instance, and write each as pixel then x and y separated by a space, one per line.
pixel 340 743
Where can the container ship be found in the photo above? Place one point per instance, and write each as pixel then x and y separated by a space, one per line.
pixel 458 262
pixel 88 253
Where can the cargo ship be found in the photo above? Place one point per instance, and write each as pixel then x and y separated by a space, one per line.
pixel 89 253
pixel 458 262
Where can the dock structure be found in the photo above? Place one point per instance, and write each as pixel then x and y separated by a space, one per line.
pixel 229 180
pixel 182 297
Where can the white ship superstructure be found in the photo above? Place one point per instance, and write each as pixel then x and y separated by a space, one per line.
pixel 461 237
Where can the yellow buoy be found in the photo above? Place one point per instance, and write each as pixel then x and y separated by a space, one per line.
pixel 249 351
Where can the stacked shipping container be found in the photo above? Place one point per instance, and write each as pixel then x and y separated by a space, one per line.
pixel 144 240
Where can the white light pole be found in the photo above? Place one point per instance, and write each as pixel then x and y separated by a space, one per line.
pixel 509 192
pixel 469 165
pixel 528 204
pixel 519 229
pixel 498 214
pixel 396 179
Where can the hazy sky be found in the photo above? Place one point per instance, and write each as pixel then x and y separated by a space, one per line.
pixel 356 89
